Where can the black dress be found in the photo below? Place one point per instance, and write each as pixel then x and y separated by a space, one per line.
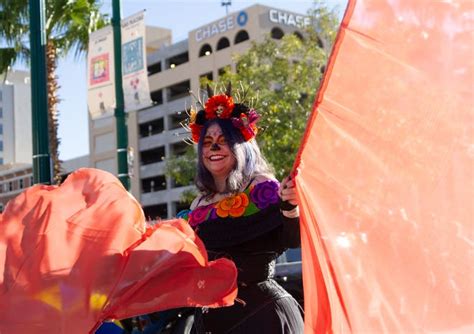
pixel 253 234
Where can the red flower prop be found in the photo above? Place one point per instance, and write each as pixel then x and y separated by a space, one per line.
pixel 220 106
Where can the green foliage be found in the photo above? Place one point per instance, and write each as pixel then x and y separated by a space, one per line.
pixel 182 170
pixel 67 23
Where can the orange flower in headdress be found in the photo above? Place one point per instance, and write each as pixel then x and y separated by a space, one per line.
pixel 220 106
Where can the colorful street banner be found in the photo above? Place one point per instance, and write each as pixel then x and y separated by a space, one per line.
pixel 134 69
pixel 100 73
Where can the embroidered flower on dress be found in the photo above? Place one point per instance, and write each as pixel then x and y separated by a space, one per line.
pixel 264 194
pixel 233 206
pixel 198 215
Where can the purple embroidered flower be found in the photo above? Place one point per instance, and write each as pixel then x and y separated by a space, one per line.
pixel 198 215
pixel 264 194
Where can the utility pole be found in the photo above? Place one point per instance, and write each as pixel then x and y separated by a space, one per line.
pixel 39 94
pixel 120 116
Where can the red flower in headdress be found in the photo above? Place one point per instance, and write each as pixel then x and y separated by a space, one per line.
pixel 220 106
pixel 195 131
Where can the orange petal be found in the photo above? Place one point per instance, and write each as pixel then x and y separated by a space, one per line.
pixel 245 199
pixel 237 212
pixel 237 202
pixel 222 213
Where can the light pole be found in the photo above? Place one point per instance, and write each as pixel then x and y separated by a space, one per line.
pixel 39 94
pixel 120 116
pixel 226 4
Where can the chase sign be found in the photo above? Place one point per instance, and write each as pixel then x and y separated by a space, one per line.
pixel 288 19
pixel 227 23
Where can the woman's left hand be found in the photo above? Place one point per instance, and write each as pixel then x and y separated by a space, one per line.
pixel 288 191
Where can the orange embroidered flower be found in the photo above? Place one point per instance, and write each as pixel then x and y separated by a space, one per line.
pixel 219 106
pixel 233 206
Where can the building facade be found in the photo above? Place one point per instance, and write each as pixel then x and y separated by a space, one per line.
pixel 155 133
pixel 15 118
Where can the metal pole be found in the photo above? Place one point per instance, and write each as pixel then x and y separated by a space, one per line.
pixel 120 116
pixel 39 94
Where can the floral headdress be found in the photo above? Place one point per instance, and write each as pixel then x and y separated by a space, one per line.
pixel 222 106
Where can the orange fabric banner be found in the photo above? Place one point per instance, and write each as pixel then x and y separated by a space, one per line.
pixel 385 173
pixel 75 255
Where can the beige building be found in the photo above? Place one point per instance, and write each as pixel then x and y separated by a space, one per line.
pixel 155 133
pixel 15 117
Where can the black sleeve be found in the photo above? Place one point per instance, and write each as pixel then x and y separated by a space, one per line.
pixel 289 233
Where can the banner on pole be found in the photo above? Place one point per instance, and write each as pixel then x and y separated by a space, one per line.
pixel 136 90
pixel 100 73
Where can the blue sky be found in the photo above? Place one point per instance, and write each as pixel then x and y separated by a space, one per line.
pixel 180 16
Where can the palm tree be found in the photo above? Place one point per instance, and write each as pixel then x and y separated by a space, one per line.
pixel 68 24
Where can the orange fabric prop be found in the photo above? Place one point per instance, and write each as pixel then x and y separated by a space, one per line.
pixel 75 255
pixel 386 170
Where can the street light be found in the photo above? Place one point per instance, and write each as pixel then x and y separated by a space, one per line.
pixel 226 4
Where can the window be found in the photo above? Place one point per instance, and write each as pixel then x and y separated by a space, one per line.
pixel 21 183
pixel 179 149
pixel 152 156
pixel 153 184
pixel 223 43
pixel 1 112
pixel 1 161
pixel 277 33
pixel 155 68
pixel 241 36
pixel 1 129
pixel 152 128
pixel 156 211
pixel 1 207
pixel 206 50
pixel 224 70
pixel 203 77
pixel 1 145
pixel 157 96
pixel 178 90
pixel 1 95
pixel 177 118
pixel 177 60
pixel 10 186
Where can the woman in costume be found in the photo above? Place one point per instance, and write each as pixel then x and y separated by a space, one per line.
pixel 242 213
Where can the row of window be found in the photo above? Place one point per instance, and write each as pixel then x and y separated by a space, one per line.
pixel 157 154
pixel 160 211
pixel 173 92
pixel 157 126
pixel 206 50
pixel 158 183
pixel 223 43
pixel 16 184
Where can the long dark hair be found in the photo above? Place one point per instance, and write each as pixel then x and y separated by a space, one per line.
pixel 249 161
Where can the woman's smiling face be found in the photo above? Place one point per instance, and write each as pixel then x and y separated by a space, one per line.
pixel 216 153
